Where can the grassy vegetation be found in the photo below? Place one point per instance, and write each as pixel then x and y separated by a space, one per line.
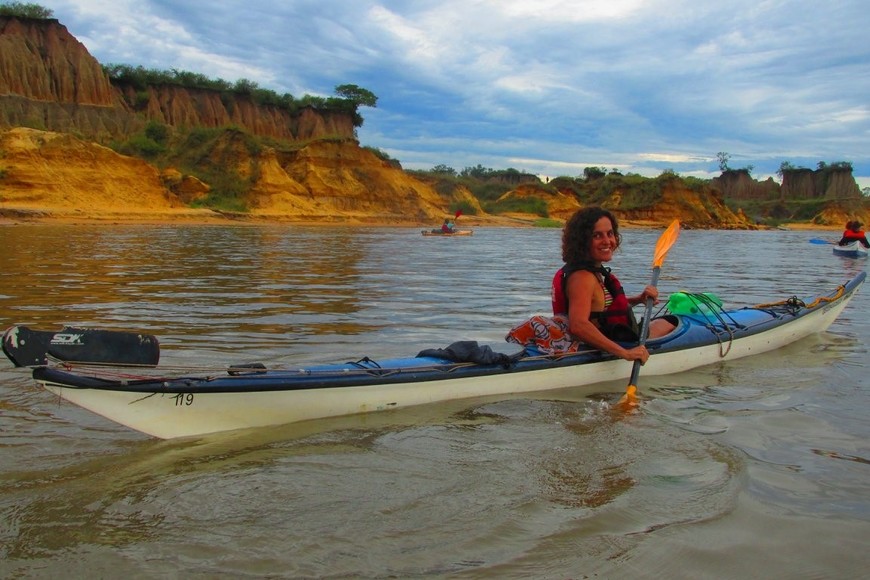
pixel 530 205
pixel 380 154
pixel 636 191
pixel 547 223
pixel 487 186
pixel 25 10
pixel 227 193
pixel 599 187
pixel 212 155
pixel 777 212
pixel 463 206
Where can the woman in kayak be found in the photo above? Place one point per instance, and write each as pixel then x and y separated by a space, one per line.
pixel 599 313
pixel 854 233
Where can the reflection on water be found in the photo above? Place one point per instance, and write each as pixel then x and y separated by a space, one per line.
pixel 280 291
pixel 554 485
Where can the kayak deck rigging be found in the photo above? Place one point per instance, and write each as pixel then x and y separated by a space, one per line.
pixel 720 323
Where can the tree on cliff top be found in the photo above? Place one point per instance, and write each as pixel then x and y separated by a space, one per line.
pixel 22 10
pixel 351 99
pixel 358 95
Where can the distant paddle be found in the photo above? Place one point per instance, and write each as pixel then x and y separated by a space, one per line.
pixel 820 241
pixel 666 240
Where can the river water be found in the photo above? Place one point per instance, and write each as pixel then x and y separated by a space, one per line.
pixel 751 468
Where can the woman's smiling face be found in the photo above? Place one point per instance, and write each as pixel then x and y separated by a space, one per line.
pixel 603 241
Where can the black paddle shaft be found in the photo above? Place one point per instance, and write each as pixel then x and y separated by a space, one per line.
pixel 644 329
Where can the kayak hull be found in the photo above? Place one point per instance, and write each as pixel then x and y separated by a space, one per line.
pixel 853 250
pixel 181 406
pixel 440 234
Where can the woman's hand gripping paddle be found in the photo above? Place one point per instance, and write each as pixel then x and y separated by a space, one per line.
pixel 666 240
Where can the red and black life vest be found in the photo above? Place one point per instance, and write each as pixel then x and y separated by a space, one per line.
pixel 850 236
pixel 617 321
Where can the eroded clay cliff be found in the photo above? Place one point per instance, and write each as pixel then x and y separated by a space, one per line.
pixel 48 80
pixel 825 183
pixel 57 173
pixel 48 173
pixel 42 61
pixel 828 182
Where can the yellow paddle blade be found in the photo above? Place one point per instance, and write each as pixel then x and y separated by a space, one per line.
pixel 666 240
pixel 629 399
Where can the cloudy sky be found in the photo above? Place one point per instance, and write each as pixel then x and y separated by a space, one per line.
pixel 544 86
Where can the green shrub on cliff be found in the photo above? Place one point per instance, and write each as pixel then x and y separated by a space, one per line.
pixel 141 146
pixel 22 10
pixel 530 205
pixel 148 144
pixel 227 191
pixel 139 78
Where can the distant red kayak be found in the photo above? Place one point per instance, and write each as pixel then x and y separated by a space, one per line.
pixel 439 233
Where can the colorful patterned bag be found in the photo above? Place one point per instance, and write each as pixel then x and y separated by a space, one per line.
pixel 548 335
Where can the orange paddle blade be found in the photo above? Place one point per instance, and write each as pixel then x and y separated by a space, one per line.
pixel 629 399
pixel 666 240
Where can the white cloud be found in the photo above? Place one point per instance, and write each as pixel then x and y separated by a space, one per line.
pixel 644 85
pixel 567 10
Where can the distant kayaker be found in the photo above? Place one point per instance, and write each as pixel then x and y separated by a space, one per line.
pixel 598 311
pixel 854 233
pixel 846 232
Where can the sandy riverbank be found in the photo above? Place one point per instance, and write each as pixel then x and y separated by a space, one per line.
pixel 190 216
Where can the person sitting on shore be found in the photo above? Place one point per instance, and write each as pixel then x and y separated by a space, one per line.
pixel 854 233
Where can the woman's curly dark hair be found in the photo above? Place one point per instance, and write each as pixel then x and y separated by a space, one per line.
pixel 577 235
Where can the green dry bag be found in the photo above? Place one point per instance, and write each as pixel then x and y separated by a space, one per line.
pixel 704 304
